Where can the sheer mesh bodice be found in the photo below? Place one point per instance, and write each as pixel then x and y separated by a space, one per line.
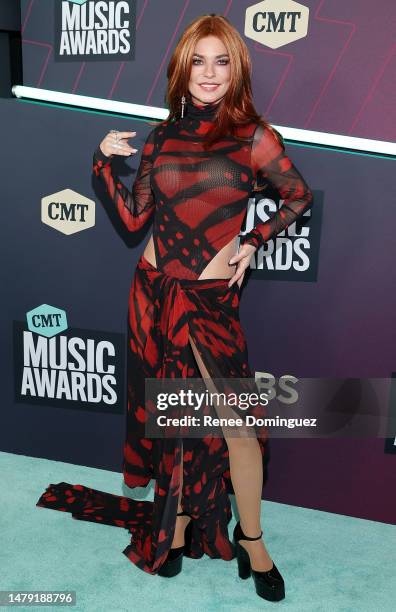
pixel 200 197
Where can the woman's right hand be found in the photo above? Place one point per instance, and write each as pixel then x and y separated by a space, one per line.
pixel 117 144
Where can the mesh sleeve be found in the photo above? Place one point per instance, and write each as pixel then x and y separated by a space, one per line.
pixel 270 162
pixel 134 207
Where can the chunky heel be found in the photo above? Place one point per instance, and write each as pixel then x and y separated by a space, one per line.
pixel 174 562
pixel 270 584
pixel 243 561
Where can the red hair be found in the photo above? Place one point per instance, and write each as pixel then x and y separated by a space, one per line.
pixel 236 108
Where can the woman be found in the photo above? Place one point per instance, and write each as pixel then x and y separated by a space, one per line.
pixel 196 173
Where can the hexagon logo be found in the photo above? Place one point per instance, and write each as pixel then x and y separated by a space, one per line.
pixel 46 320
pixel 275 23
pixel 68 212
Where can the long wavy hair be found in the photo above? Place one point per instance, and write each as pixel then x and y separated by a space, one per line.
pixel 236 108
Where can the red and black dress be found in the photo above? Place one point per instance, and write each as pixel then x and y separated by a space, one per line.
pixel 198 201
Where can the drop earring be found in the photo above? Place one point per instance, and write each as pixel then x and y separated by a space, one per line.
pixel 183 102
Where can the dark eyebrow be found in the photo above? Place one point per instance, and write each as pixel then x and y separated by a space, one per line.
pixel 216 57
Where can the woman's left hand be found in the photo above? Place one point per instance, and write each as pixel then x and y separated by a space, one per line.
pixel 242 259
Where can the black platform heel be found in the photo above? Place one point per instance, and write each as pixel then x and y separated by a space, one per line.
pixel 174 561
pixel 269 584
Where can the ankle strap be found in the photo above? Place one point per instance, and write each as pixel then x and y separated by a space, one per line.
pixel 241 536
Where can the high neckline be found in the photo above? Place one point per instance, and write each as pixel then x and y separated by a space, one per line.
pixel 201 111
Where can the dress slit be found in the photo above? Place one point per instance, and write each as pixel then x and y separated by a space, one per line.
pixel 164 313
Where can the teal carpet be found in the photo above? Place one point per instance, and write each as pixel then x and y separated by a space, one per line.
pixel 330 562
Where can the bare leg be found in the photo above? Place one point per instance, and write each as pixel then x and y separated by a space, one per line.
pixel 247 480
pixel 246 470
pixel 181 521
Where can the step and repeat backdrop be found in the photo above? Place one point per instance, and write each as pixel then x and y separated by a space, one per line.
pixel 320 303
pixel 324 65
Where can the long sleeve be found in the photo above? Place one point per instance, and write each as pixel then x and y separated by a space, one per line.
pixel 134 207
pixel 269 162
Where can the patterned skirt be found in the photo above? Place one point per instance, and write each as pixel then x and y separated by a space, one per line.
pixel 163 311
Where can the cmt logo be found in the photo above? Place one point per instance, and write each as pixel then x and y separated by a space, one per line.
pixel 88 30
pixel 77 368
pixel 293 254
pixel 46 320
pixel 275 23
pixel 68 212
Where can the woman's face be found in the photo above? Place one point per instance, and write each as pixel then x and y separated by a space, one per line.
pixel 210 71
